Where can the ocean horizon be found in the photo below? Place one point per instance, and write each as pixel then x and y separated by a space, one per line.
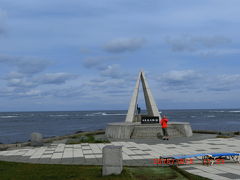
pixel 17 126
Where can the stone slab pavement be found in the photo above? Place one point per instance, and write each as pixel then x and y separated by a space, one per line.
pixel 134 154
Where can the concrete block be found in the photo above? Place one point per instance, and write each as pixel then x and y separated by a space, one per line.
pixel 36 139
pixel 184 128
pixel 78 160
pixel 67 161
pixel 148 131
pixel 119 130
pixel 112 160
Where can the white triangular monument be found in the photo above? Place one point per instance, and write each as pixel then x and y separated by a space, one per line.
pixel 152 109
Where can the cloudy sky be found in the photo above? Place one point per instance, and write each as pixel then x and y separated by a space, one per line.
pixel 85 55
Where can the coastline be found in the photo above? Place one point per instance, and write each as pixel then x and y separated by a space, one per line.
pixel 51 139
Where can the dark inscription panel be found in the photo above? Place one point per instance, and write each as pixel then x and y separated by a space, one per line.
pixel 149 119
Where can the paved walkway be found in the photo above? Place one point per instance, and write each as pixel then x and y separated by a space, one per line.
pixel 134 154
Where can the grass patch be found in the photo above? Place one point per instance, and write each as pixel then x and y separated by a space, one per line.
pixel 154 173
pixel 85 139
pixel 25 171
pixel 224 136
pixel 237 133
pixel 188 175
pixel 77 135
pixel 205 132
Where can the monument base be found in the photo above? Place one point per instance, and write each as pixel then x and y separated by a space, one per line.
pixel 137 130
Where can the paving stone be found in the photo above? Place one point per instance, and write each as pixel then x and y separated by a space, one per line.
pixel 67 161
pixel 189 168
pixel 78 160
pixel 34 160
pixel 25 159
pixel 55 161
pixel 230 175
pixel 44 160
pixel 77 153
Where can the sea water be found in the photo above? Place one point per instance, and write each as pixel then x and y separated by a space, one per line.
pixel 17 126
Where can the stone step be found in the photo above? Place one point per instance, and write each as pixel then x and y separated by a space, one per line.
pixel 153 132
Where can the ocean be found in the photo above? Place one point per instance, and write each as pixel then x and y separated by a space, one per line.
pixel 17 126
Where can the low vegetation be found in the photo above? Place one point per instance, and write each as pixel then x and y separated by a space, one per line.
pixel 224 136
pixel 25 171
pixel 86 139
pixel 205 132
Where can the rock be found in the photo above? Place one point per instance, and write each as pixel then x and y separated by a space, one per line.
pixel 3 147
pixel 226 133
pixel 36 139
pixel 77 132
pixel 112 160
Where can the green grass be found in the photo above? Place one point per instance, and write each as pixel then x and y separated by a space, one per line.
pixel 25 171
pixel 85 139
pixel 86 134
pixel 224 136
pixel 237 133
pixel 205 132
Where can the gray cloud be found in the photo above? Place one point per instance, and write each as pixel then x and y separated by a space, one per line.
pixel 190 80
pixel 22 81
pixel 94 62
pixel 181 79
pixel 55 78
pixel 66 92
pixel 32 65
pixel 27 65
pixel 109 84
pixel 28 76
pixel 217 52
pixel 14 75
pixel 124 45
pixel 30 93
pixel 190 44
pixel 98 61
pixel 225 82
pixel 113 71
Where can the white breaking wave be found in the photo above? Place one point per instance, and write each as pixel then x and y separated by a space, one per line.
pixel 217 111
pixel 104 114
pixel 234 111
pixel 210 116
pixel 58 115
pixel 8 116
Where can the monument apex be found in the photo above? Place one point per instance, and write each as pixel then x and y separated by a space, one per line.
pixel 151 106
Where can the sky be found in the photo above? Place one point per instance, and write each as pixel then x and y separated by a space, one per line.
pixel 86 55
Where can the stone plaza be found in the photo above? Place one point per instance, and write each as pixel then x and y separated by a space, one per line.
pixel 135 154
